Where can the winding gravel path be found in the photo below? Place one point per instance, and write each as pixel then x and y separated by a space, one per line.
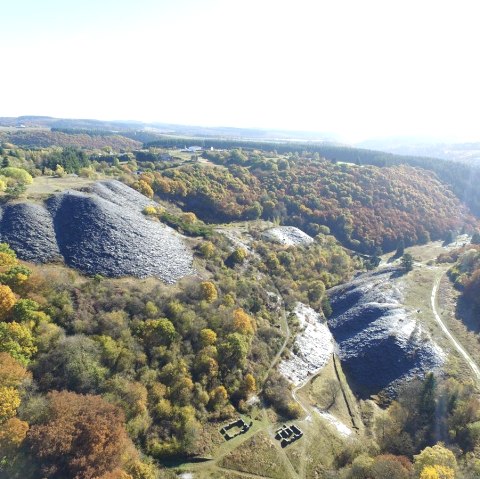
pixel 473 365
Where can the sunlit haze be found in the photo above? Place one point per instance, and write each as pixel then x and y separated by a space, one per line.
pixel 354 69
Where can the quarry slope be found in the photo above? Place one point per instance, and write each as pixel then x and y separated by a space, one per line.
pixel 375 333
pixel 98 231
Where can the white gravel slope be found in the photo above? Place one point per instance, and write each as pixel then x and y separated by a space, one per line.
pixel 313 347
pixel 288 236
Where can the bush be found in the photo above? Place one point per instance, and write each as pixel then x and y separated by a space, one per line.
pixel 18 174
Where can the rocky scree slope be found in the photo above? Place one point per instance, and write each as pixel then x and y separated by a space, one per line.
pixel 312 349
pixel 288 236
pixel 98 231
pixel 380 344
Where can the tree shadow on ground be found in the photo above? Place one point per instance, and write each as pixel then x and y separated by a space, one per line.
pixel 393 258
pixel 466 312
pixel 398 273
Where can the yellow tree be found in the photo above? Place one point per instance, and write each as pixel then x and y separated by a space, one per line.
pixel 9 402
pixel 242 322
pixel 189 218
pixel 437 472
pixel 207 249
pixel 116 474
pixel 12 373
pixel 12 433
pixel 250 384
pixel 7 257
pixel 7 301
pixel 60 171
pixel 238 256
pixel 151 309
pixel 208 291
pixel 437 455
pixel 149 210
pixel 143 187
pixel 141 470
pixel 218 396
pixel 208 337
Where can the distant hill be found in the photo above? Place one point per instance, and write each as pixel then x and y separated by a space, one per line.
pixel 463 152
pixel 188 131
pixel 40 138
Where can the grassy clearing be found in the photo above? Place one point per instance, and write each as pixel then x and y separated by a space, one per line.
pixel 323 447
pixel 210 438
pixel 221 474
pixel 217 448
pixel 417 288
pixel 44 186
pixel 325 392
pixel 469 339
pixel 424 253
pixel 257 456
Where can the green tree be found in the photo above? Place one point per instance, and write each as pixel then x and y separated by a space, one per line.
pixel 400 248
pixel 233 351
pixel 407 262
pixel 316 290
pixel 207 249
pixel 17 340
pixel 157 332
pixel 254 211
pixel 18 174
pixel 74 364
pixel 476 237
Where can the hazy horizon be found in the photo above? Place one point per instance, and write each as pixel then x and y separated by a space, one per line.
pixel 354 70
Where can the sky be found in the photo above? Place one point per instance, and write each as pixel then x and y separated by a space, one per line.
pixel 356 69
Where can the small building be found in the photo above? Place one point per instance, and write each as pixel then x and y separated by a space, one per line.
pixel 288 434
pixel 235 428
pixel 192 149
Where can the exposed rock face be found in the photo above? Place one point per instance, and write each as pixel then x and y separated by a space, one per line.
pixel 288 236
pixel 100 231
pixel 380 344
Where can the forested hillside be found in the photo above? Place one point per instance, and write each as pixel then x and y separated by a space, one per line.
pixel 461 177
pixel 366 207
pixel 465 272
pixel 89 139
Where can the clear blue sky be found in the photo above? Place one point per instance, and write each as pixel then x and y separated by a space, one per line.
pixel 356 68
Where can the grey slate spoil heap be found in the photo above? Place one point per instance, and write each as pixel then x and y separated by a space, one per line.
pixel 100 231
